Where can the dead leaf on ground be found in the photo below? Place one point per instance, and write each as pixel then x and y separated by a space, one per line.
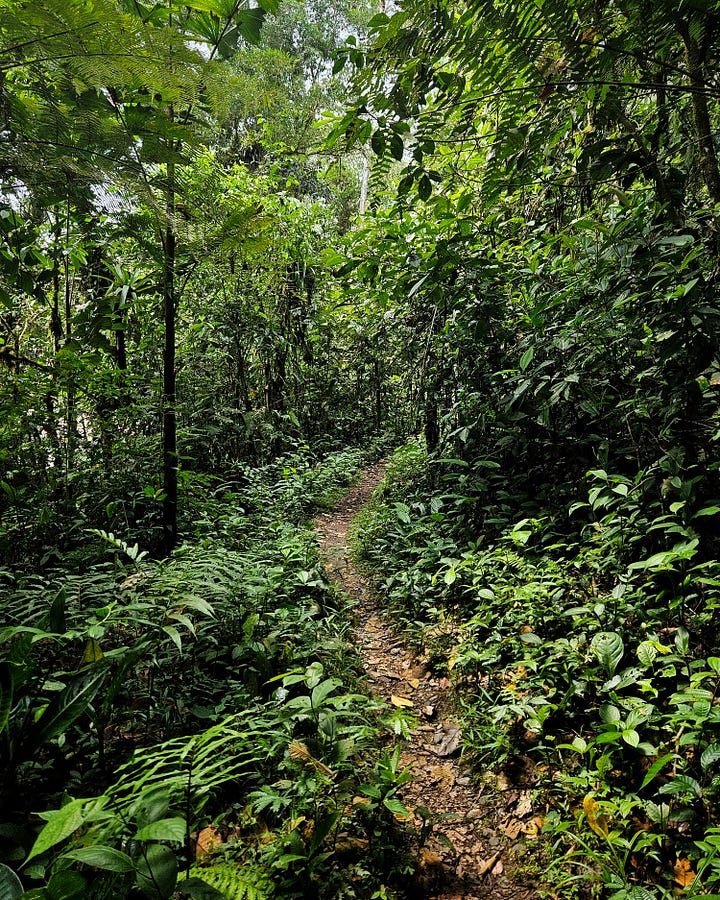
pixel 449 740
pixel 400 701
pixel 498 868
pixel 414 683
pixel 512 828
pixel 684 874
pixel 487 864
pixel 208 840
pixel 524 807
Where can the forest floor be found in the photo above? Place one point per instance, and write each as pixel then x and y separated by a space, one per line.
pixel 490 821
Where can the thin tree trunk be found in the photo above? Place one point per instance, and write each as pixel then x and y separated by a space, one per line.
pixel 72 434
pixel 170 457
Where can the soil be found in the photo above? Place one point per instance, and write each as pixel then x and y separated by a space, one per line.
pixel 489 820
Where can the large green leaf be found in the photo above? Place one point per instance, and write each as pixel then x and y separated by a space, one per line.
pixel 63 710
pixel 173 830
pixel 710 756
pixel 99 857
pixel 61 823
pixel 10 885
pixel 249 23
pixel 608 647
pixel 157 872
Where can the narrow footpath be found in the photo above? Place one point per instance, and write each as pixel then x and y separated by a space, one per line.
pixel 488 834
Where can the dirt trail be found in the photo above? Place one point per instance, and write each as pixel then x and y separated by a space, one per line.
pixel 484 831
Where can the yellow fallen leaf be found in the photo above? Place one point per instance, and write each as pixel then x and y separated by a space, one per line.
pixel 684 874
pixel 400 701
pixel 414 683
pixel 595 819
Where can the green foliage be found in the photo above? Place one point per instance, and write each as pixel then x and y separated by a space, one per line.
pixel 563 649
pixel 232 882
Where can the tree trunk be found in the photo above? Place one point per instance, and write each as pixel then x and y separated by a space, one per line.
pixel 170 457
pixel 701 114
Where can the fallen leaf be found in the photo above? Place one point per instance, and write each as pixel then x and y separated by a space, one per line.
pixel 487 864
pixel 208 840
pixel 428 711
pixel 429 859
pixel 512 829
pixel 497 869
pixel 534 826
pixel 684 874
pixel 414 683
pixel 502 782
pixel 449 740
pixel 400 701
pixel 524 807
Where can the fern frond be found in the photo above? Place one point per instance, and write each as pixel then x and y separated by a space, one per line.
pixel 235 882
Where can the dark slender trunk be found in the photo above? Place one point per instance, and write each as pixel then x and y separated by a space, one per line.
pixel 170 457
pixel 120 344
pixel 378 395
pixel 72 432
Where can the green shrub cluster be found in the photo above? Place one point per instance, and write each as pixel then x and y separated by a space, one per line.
pixel 142 701
pixel 583 639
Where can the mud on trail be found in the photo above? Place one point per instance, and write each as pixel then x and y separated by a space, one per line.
pixel 489 830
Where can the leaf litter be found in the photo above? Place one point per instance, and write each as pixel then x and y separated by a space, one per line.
pixel 488 824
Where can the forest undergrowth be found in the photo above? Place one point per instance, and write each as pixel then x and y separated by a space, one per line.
pixel 195 726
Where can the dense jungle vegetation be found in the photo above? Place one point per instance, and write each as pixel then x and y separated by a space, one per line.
pixel 248 247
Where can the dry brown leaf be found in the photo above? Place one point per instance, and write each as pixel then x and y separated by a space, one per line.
pixel 524 807
pixel 534 826
pixel 208 840
pixel 502 783
pixel 429 859
pixel 512 828
pixel 400 701
pixel 497 869
pixel 449 741
pixel 684 874
pixel 346 843
pixel 487 864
